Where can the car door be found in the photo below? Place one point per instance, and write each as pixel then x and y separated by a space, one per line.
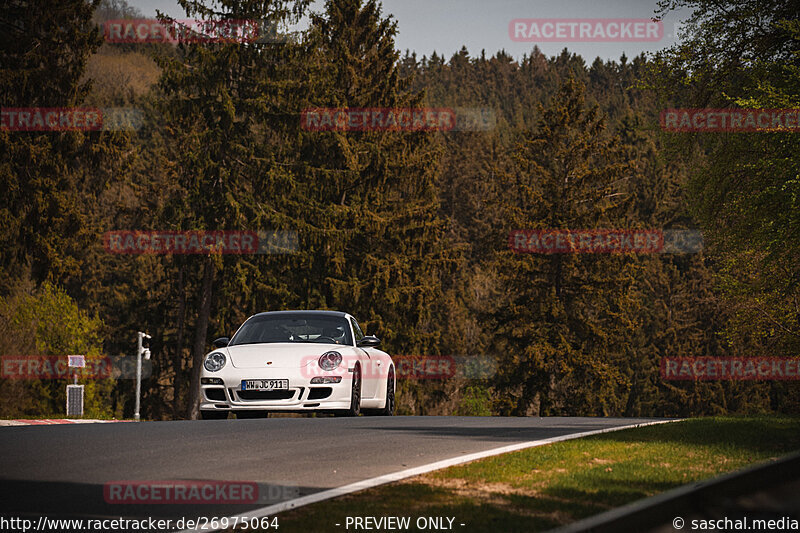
pixel 370 365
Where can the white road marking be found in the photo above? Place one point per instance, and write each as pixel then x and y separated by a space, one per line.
pixel 272 510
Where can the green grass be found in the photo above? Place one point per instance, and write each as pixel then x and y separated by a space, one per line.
pixel 548 486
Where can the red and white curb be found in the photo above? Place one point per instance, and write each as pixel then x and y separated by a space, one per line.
pixel 53 421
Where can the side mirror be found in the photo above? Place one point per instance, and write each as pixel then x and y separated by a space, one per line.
pixel 221 342
pixel 369 340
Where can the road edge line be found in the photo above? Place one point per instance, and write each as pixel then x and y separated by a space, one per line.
pixel 317 497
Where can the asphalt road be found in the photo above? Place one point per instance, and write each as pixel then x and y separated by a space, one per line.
pixel 60 470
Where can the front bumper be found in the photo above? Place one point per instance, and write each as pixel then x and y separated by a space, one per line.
pixel 301 395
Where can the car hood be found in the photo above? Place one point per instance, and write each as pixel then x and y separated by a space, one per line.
pixel 277 355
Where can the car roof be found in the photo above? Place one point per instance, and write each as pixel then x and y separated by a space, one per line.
pixel 304 312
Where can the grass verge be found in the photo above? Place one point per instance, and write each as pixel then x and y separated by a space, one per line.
pixel 549 486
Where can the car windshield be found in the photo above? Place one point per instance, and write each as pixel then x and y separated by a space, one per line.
pixel 294 328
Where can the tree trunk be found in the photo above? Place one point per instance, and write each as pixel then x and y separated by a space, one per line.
pixel 200 332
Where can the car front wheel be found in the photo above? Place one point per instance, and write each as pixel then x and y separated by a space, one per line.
pixel 355 395
pixel 389 406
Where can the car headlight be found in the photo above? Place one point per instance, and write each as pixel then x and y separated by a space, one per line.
pixel 214 361
pixel 330 360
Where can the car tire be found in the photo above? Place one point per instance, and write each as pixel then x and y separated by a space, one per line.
pixel 247 415
pixel 355 395
pixel 389 407
pixel 213 415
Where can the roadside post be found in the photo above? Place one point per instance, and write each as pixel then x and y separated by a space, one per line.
pixel 75 391
pixel 142 349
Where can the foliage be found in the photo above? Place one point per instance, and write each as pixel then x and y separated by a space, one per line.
pixel 476 401
pixel 408 230
pixel 48 322
pixel 743 187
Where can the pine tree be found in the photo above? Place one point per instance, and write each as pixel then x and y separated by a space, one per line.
pixel 564 319
pixel 43 55
pixel 218 112
pixel 368 199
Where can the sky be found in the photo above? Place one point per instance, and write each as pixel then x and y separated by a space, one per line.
pixel 444 26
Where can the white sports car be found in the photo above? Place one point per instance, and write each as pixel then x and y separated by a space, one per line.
pixel 297 361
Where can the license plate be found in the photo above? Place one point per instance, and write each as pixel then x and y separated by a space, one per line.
pixel 265 384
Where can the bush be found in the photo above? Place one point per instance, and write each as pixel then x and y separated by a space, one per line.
pixel 47 322
pixel 475 401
